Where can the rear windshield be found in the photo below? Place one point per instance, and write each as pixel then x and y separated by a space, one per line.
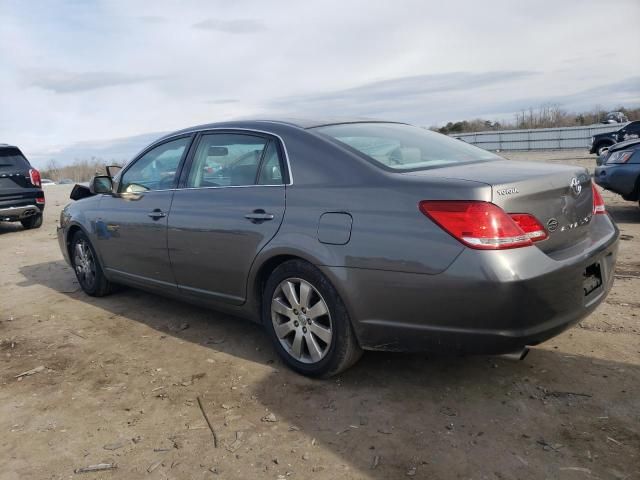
pixel 11 159
pixel 405 147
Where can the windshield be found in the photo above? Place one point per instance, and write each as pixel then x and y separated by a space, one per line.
pixel 405 147
pixel 11 159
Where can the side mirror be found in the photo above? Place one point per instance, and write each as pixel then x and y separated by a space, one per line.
pixel 101 184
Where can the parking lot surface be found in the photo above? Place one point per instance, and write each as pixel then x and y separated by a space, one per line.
pixel 120 380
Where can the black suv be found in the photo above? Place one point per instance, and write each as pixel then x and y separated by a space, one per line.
pixel 605 140
pixel 21 195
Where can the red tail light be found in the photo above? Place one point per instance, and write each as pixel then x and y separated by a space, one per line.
pixel 598 202
pixel 34 177
pixel 40 198
pixel 530 226
pixel 483 225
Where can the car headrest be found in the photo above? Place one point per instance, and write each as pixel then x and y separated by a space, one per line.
pixel 243 174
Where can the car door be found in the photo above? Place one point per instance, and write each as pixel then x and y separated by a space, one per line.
pixel 132 227
pixel 232 204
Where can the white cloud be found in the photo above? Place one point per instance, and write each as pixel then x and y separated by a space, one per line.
pixel 76 71
pixel 71 82
pixel 240 26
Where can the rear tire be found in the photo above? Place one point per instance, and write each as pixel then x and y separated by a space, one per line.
pixel 87 267
pixel 34 221
pixel 307 321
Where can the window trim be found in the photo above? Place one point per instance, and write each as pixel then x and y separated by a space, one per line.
pixel 194 134
pixel 283 157
pixel 180 168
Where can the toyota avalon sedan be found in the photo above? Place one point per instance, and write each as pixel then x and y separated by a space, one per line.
pixel 344 236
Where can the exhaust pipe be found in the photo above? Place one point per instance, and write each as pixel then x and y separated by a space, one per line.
pixel 517 355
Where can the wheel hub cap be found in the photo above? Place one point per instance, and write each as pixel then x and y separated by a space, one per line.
pixel 301 320
pixel 84 264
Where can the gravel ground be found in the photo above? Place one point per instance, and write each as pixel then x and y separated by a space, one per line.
pixel 121 378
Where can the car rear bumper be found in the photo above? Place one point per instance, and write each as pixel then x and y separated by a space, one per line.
pixel 487 302
pixel 621 179
pixel 12 214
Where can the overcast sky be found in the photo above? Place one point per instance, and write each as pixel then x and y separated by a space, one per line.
pixel 99 76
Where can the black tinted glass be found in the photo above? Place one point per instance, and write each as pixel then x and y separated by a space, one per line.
pixel 11 159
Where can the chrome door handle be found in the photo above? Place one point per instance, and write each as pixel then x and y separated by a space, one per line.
pixel 259 216
pixel 157 214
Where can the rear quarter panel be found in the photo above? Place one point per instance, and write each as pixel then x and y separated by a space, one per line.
pixel 388 230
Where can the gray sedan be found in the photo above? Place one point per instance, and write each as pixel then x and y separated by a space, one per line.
pixel 344 236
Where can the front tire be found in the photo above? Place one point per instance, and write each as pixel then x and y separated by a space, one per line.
pixel 307 321
pixel 34 221
pixel 87 267
pixel 602 147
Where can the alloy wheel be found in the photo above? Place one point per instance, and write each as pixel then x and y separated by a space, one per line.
pixel 84 264
pixel 301 320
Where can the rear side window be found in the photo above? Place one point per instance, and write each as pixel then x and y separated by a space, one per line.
pixel 11 159
pixel 404 147
pixel 271 170
pixel 226 159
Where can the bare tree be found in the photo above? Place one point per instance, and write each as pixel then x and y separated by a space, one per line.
pixel 81 170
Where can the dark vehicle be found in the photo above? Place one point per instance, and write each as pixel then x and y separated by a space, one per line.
pixel 605 140
pixel 21 195
pixel 340 237
pixel 619 170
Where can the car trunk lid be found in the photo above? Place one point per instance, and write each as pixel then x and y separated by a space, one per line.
pixel 559 196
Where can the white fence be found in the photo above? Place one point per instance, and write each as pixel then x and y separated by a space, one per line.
pixel 538 138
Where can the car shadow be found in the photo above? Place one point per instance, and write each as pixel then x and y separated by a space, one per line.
pixel 628 213
pixel 10 227
pixel 393 415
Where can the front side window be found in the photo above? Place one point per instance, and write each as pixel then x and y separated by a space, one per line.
pixel 404 147
pixel 227 159
pixel 156 169
pixel 633 128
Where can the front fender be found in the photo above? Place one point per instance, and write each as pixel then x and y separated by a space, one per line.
pixel 78 216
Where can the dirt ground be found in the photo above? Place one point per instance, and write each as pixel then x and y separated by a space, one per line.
pixel 122 375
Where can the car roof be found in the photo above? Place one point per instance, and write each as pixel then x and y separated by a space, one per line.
pixel 297 122
pixel 634 142
pixel 322 121
pixel 6 145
